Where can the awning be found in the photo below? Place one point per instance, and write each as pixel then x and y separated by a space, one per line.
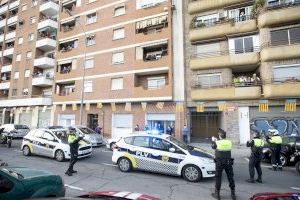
pixel 64 62
pixel 68 40
pixel 155 44
pixel 68 20
pixel 68 2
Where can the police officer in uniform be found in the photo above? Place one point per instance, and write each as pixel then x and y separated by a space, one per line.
pixel 275 142
pixel 223 161
pixel 256 145
pixel 73 141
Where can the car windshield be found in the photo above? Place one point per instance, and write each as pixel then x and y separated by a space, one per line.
pixel 178 143
pixel 21 127
pixel 86 130
pixel 62 135
pixel 12 173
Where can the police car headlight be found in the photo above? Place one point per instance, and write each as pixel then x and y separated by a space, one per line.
pixel 207 160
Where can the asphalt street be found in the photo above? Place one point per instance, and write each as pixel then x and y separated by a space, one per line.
pixel 97 173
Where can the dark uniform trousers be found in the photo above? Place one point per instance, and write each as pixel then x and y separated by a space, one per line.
pixel 224 164
pixel 254 163
pixel 275 159
pixel 73 160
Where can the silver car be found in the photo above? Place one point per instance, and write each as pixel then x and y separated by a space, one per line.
pixel 17 130
pixel 94 138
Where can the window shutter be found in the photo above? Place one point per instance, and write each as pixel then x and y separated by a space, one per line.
pixel 139 53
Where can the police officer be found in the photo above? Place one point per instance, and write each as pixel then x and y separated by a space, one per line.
pixel 275 142
pixel 73 141
pixel 256 145
pixel 223 161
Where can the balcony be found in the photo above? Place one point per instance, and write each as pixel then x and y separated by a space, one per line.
pixel 14 4
pixel 73 96
pixel 42 81
pixel 282 52
pixel 226 93
pixel 1 37
pixel 49 8
pixel 4 86
pixel 288 88
pixel 2 23
pixel 225 59
pixel 274 15
pixel 221 28
pixel 205 5
pixel 10 35
pixel 46 44
pixel 12 20
pixel 8 52
pixel 141 92
pixel 48 23
pixel 44 62
pixel 6 68
pixel 3 9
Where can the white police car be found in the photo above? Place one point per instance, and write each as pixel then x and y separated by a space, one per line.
pixel 52 143
pixel 163 154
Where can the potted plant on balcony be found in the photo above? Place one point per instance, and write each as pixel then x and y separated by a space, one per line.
pixel 257 7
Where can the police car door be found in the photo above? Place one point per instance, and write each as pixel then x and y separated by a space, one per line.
pixel 165 160
pixel 37 141
pixel 50 144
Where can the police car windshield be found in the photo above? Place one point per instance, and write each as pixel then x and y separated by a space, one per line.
pixel 86 130
pixel 178 143
pixel 62 135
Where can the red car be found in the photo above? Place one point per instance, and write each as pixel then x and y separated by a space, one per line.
pixel 276 196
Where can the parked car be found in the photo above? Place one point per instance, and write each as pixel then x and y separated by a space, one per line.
pixel 276 196
pixel 163 154
pixel 17 130
pixel 53 144
pixel 290 144
pixel 22 183
pixel 94 138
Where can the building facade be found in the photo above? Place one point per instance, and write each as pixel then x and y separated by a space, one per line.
pixel 242 67
pixel 28 42
pixel 125 50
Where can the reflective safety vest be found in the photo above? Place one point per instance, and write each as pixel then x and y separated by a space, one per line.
pixel 276 139
pixel 258 142
pixel 71 138
pixel 223 150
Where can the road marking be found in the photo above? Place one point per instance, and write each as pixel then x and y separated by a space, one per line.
pixel 16 150
pixel 107 151
pixel 73 187
pixel 295 188
pixel 109 164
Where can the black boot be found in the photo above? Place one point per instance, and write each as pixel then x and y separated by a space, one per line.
pixel 216 194
pixel 250 180
pixel 68 173
pixel 233 196
pixel 258 180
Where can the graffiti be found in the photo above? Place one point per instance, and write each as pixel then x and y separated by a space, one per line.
pixel 284 125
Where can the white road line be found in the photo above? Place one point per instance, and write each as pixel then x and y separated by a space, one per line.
pixel 109 164
pixel 107 151
pixel 295 188
pixel 16 150
pixel 73 187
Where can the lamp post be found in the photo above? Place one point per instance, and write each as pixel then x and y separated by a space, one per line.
pixel 83 72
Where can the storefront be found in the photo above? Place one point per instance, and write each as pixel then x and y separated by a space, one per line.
pixel 160 123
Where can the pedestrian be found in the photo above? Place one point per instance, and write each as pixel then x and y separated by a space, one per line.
pixel 169 130
pixel 223 161
pixel 98 129
pixel 185 132
pixel 73 141
pixel 275 142
pixel 137 128
pixel 256 145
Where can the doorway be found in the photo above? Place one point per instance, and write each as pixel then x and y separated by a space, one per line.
pixel 92 121
pixel 204 125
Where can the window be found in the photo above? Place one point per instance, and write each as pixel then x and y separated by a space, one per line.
pixel 156 82
pixel 160 144
pixel 286 72
pixel 48 136
pixel 128 140
pixel 208 49
pixel 27 73
pixel 24 7
pixel 89 63
pixel 91 18
pixel 119 10
pixel 240 14
pixel 25 91
pixel 20 40
pixel 29 54
pixel 18 57
pixel 209 80
pixel 206 20
pixel 14 92
pixel 16 75
pixel 140 141
pixel 118 58
pixel 30 37
pixel 118 33
pixel 34 2
pixel 38 133
pixel 90 40
pixel 21 23
pixel 279 2
pixel 88 86
pixel 244 44
pixel 32 20
pixel 117 84
pixel 285 36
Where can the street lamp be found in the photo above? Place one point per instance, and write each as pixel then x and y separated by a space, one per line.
pixel 83 72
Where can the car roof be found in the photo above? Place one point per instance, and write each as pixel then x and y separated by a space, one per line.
pixel 162 136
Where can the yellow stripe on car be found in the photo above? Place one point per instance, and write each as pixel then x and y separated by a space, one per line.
pixel 132 159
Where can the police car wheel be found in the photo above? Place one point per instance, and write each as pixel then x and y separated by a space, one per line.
pixel 59 155
pixel 124 164
pixel 283 160
pixel 298 167
pixel 26 151
pixel 191 173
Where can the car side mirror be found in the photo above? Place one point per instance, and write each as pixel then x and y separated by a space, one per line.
pixel 172 150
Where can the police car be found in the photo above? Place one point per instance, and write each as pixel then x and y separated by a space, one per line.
pixel 163 154
pixel 53 144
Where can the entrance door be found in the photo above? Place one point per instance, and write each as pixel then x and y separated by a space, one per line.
pixel 244 125
pixel 121 125
pixel 25 118
pixel 92 121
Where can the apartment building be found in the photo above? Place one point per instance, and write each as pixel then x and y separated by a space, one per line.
pixel 27 42
pixel 124 49
pixel 242 67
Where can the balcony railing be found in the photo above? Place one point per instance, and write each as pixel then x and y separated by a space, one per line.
pixel 280 4
pixel 198 84
pixel 66 92
pixel 46 1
